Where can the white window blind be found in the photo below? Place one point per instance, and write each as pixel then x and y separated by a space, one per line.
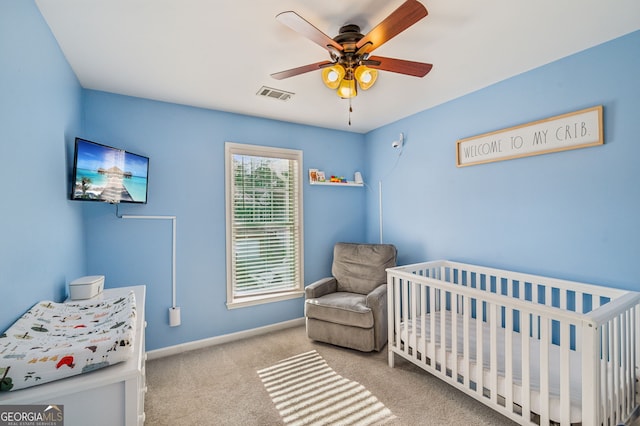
pixel 264 224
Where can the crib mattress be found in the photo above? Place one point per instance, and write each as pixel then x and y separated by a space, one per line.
pixel 52 341
pixel 471 368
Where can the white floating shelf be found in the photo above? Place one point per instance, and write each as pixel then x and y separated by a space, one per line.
pixel 327 183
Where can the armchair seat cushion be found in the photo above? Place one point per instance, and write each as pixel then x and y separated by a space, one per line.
pixel 341 308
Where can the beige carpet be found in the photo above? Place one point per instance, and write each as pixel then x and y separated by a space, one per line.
pixel 220 385
pixel 306 391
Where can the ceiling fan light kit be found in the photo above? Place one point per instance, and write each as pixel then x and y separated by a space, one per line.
pixel 350 51
pixel 347 88
pixel 336 77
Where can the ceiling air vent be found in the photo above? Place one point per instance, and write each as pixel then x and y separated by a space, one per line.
pixel 270 92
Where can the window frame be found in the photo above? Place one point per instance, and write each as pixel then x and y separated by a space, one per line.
pixel 231 149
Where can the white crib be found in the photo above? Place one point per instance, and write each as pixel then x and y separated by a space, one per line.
pixel 538 350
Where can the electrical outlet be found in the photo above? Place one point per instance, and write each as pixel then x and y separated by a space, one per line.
pixel 174 316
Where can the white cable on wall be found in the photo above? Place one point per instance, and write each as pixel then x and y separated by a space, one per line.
pixel 395 144
pixel 174 311
pixel 380 207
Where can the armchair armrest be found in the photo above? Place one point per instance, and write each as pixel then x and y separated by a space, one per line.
pixel 377 299
pixel 321 287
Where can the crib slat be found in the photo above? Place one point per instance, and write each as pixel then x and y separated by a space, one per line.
pixel 443 332
pixel 432 326
pixel 595 303
pixel 624 363
pixel 579 298
pixel 405 315
pixel 508 357
pixel 547 295
pixel 635 352
pixel 493 351
pixel 466 338
pixel 624 356
pixel 615 368
pixel 454 336
pixel 413 340
pixel 397 309
pixel 535 319
pixel 631 373
pixel 624 340
pixel 396 318
pixel 479 348
pixel 544 371
pixel 525 327
pixel 604 370
pixel 565 376
pixel 423 320
pixel 563 299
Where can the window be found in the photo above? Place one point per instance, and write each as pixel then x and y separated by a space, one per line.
pixel 264 224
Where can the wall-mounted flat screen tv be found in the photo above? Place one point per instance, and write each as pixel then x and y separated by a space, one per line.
pixel 103 173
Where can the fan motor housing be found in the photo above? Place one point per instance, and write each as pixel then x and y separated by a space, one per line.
pixel 348 36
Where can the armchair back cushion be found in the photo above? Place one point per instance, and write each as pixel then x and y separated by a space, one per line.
pixel 360 268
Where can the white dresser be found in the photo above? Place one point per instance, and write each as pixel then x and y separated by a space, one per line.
pixel 111 396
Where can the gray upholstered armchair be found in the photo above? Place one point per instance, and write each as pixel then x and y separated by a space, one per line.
pixel 350 308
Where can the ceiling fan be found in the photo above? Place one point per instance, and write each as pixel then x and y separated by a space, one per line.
pixel 350 50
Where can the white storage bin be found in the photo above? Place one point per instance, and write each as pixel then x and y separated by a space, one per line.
pixel 86 287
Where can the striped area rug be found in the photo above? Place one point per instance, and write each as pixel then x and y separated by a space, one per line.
pixel 306 391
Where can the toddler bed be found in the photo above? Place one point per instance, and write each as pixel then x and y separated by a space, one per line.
pixel 52 341
pixel 538 350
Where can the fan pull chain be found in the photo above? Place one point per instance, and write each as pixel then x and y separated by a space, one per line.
pixel 350 111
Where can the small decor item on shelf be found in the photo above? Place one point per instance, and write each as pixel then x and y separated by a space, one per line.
pixel 313 175
pixel 321 177
pixel 337 179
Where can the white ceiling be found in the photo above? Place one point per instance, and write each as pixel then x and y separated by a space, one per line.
pixel 218 53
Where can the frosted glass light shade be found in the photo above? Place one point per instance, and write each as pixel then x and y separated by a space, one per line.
pixel 332 76
pixel 366 76
pixel 347 89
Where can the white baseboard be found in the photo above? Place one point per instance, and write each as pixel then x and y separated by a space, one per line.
pixel 218 340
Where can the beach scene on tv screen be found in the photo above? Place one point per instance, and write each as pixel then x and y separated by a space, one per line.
pixel 108 174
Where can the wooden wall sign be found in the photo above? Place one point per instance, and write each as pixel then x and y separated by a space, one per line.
pixel 574 130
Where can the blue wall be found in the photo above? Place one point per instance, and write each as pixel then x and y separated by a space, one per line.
pixel 571 214
pixel 186 150
pixel 41 235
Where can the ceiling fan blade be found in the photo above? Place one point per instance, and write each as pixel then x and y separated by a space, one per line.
pixel 301 70
pixel 400 66
pixel 302 26
pixel 410 12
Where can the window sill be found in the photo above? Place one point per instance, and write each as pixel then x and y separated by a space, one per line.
pixel 268 298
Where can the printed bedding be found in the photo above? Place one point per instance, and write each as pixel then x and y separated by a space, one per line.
pixel 52 341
